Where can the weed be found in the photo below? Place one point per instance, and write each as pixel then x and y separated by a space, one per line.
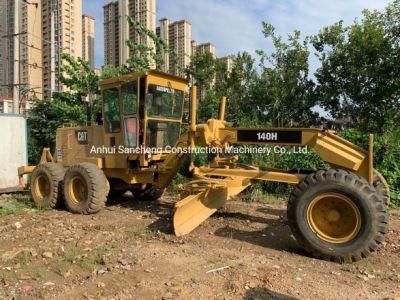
pixel 139 232
pixel 73 254
pixel 39 272
pixel 6 277
pixel 15 204
pixel 23 258
pixel 62 267
pixel 92 260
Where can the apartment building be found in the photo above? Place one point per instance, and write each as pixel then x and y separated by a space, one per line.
pixel 5 43
pixel 144 12
pixel 117 30
pixel 88 35
pixel 228 60
pixel 62 33
pixel 163 32
pixel 178 36
pixel 180 42
pixel 21 43
pixel 111 34
pixel 194 47
pixel 205 48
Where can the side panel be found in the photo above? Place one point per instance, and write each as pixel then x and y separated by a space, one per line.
pixel 75 145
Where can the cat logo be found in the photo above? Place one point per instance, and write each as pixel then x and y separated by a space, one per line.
pixel 82 137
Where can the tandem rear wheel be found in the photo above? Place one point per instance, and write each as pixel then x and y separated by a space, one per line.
pixel 337 215
pixel 47 185
pixel 85 189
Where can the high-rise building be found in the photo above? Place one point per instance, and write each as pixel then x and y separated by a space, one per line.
pixel 144 12
pixel 111 34
pixel 62 33
pixel 228 60
pixel 163 32
pixel 178 36
pixel 194 47
pixel 180 43
pixel 4 46
pixel 20 52
pixel 123 14
pixel 88 35
pixel 117 30
pixel 206 48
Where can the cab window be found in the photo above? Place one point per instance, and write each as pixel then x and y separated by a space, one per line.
pixel 163 102
pixel 129 98
pixel 111 110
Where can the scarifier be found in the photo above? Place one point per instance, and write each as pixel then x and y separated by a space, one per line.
pixel 337 214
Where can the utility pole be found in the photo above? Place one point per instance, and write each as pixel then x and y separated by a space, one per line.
pixel 16 86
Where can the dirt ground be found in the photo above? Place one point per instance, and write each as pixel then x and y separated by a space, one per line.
pixel 128 251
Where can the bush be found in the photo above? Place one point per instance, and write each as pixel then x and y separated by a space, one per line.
pixel 386 154
pixel 47 116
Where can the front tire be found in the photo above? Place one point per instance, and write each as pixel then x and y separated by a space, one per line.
pixel 85 189
pixel 47 185
pixel 337 215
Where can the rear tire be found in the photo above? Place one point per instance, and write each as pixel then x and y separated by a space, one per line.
pixel 47 185
pixel 85 189
pixel 337 215
pixel 382 187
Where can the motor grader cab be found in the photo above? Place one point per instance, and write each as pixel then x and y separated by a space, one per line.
pixel 142 110
pixel 337 214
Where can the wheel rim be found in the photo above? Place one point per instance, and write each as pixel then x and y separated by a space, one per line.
pixel 78 190
pixel 42 187
pixel 334 218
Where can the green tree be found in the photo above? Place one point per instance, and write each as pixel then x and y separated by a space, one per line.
pixel 142 56
pixel 284 92
pixel 239 86
pixel 111 72
pixel 47 116
pixel 69 107
pixel 359 76
pixel 81 81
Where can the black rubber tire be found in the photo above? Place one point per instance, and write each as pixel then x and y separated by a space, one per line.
pixel 382 187
pixel 374 217
pixel 149 194
pixel 95 195
pixel 52 175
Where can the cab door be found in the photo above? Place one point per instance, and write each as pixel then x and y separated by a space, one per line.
pixel 130 111
pixel 113 130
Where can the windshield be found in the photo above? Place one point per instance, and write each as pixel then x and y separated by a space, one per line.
pixel 164 102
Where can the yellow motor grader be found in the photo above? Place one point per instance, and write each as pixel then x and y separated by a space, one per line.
pixel 337 214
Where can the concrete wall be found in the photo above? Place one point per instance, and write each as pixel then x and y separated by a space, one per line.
pixel 13 149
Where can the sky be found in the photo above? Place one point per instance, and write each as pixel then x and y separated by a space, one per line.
pixel 235 25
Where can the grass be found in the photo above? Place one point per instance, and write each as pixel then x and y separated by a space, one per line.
pixel 39 272
pixel 23 258
pixel 61 267
pixel 15 204
pixel 75 255
pixel 93 260
pixel 72 254
pixel 256 194
pixel 141 232
pixel 7 277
